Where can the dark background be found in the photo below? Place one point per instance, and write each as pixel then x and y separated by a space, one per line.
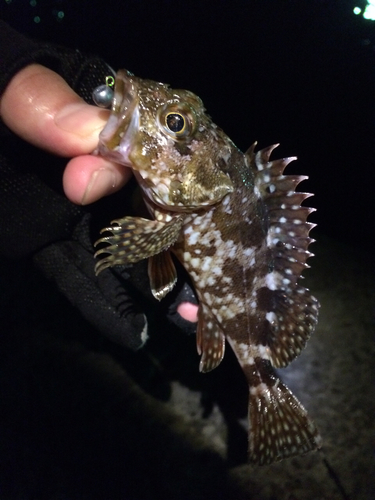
pixel 297 72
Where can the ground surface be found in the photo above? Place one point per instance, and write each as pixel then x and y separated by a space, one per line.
pixel 83 419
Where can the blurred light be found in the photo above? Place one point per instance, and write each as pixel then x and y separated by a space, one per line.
pixel 37 19
pixel 60 14
pixel 368 13
pixel 32 3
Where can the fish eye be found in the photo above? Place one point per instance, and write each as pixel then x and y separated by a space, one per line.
pixel 175 122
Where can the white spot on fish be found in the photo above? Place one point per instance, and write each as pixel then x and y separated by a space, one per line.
pixel 210 281
pixel 271 281
pixel 217 271
pixel 187 256
pixel 271 317
pixel 248 251
pixel 260 390
pixel 206 264
pixel 193 238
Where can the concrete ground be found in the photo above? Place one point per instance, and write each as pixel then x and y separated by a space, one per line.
pixel 84 419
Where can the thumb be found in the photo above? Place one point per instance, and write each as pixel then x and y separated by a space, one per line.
pixel 40 107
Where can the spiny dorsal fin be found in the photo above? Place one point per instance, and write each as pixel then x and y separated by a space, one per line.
pixel 293 311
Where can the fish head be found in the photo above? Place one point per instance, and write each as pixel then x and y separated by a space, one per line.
pixel 178 155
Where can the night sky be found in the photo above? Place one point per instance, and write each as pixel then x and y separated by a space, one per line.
pixel 297 72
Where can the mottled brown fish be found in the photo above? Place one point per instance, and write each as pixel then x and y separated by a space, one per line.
pixel 236 224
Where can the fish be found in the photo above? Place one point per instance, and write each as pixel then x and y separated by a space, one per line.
pixel 237 225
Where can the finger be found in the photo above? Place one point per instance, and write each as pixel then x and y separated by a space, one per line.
pixel 188 311
pixel 88 178
pixel 39 106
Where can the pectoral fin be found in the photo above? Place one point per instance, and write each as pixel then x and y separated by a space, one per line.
pixel 162 274
pixel 133 239
pixel 210 340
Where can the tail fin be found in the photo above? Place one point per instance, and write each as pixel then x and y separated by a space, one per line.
pixel 279 424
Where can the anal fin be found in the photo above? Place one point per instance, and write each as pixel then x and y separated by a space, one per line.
pixel 210 340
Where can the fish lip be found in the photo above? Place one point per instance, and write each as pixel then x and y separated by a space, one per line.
pixel 115 140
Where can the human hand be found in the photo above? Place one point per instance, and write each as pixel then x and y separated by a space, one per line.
pixel 40 107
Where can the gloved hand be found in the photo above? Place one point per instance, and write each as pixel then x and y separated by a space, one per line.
pixel 38 220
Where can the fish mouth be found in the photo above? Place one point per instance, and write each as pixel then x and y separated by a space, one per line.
pixel 117 137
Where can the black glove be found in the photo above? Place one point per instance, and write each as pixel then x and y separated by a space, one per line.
pixel 38 220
